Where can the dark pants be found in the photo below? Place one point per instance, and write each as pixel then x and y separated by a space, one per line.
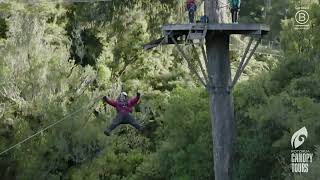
pixel 122 118
pixel 192 8
pixel 234 14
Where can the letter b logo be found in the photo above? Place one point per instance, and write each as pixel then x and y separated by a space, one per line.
pixel 302 17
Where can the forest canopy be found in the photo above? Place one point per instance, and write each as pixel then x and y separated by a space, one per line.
pixel 57 59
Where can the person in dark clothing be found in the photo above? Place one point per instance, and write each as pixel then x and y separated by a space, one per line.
pixel 234 8
pixel 204 19
pixel 124 106
pixel 191 8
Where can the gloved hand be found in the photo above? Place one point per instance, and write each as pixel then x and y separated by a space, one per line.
pixel 105 98
pixel 138 94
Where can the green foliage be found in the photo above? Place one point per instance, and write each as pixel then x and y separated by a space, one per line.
pixel 272 107
pixel 57 58
pixel 3 28
pixel 185 149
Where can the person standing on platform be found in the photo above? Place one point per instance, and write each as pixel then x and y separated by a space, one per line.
pixel 234 8
pixel 191 7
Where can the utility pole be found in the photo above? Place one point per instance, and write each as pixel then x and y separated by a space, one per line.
pixel 221 101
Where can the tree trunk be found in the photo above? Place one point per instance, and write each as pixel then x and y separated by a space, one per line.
pixel 222 112
pixel 217 10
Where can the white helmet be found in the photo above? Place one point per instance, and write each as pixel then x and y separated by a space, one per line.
pixel 124 94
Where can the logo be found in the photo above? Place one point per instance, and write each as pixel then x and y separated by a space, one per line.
pixel 299 137
pixel 300 159
pixel 302 18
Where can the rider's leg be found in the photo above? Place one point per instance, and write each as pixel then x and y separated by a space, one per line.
pixel 115 122
pixel 133 122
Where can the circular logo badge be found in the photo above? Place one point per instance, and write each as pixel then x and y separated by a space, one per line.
pixel 302 17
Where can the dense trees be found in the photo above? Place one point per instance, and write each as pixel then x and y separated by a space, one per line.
pixel 57 59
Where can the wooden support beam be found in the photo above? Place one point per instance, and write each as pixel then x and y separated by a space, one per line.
pixel 154 43
pixel 188 61
pixel 200 64
pixel 204 53
pixel 221 101
pixel 227 28
pixel 237 75
pixel 245 63
pixel 251 53
pixel 221 104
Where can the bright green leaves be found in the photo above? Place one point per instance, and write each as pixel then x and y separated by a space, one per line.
pixel 186 147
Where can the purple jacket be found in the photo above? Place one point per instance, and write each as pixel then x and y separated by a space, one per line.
pixel 123 107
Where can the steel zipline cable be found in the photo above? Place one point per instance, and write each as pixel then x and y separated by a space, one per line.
pixel 48 127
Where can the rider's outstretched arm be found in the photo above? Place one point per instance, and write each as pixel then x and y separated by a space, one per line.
pixel 110 101
pixel 134 100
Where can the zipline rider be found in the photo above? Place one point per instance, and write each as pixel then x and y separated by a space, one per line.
pixel 124 106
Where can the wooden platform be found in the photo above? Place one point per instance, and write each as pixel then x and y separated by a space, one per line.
pixel 180 31
pixel 256 29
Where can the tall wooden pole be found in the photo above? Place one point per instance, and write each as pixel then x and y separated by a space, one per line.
pixel 221 102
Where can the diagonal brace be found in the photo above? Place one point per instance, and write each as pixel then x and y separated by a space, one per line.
pixel 237 75
pixel 204 53
pixel 244 61
pixel 188 61
pixel 200 64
